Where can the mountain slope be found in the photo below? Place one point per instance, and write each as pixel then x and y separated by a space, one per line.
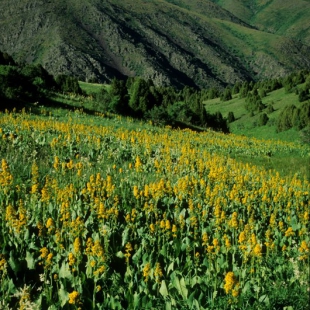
pixel 195 43
pixel 284 17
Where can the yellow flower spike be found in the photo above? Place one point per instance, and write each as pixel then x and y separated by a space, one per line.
pixel 158 273
pixel 136 191
pixel 231 284
pixel 77 246
pixel 152 228
pixel 73 297
pixel 146 272
pixel 289 232
pixel 257 251
pixel 167 225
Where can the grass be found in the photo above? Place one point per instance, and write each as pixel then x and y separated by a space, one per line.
pixel 247 125
pixel 90 88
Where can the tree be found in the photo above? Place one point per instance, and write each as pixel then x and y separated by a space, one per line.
pixel 68 84
pixel 263 119
pixel 230 117
pixel 141 98
pixel 226 95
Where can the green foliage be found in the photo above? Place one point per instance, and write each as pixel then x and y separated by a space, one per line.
pixel 270 108
pixel 227 94
pixel 25 83
pixel 6 59
pixel 230 117
pixel 141 98
pixel 303 95
pixel 68 84
pixel 292 116
pixel 253 102
pixel 244 90
pixel 285 120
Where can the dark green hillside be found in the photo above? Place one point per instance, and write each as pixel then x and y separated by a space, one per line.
pixel 196 43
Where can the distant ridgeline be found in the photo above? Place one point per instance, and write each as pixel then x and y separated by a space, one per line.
pixel 136 97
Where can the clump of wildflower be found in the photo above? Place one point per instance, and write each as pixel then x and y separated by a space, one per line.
pixel 71 259
pixel 231 284
pixel 73 297
pixel 146 272
pixel 289 232
pixel 158 273
pixel 304 250
pixel 50 225
pixel 128 250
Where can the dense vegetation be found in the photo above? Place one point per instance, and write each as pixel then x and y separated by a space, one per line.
pixel 25 83
pixel 101 212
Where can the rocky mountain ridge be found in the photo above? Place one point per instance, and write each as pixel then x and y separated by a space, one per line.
pixel 195 43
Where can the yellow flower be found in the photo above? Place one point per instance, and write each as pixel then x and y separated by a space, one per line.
pixel 3 263
pixel 234 220
pixel 71 259
pixel 44 252
pixel 205 238
pixel 77 245
pixel 257 250
pixel 136 191
pixel 146 272
pixel 230 281
pixel 73 297
pixel 128 250
pixel 167 225
pixel 158 272
pixel 289 232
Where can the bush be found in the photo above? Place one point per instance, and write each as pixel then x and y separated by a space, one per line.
pixel 226 95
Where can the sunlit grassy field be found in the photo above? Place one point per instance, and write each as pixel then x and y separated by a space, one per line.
pixel 102 212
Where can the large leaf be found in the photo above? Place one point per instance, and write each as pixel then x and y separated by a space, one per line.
pixel 30 261
pixel 64 271
pixel 180 286
pixel 163 289
pixel 63 296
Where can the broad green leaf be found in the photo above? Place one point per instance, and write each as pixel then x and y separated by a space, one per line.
pixel 136 300
pixel 64 271
pixel 170 268
pixel 125 236
pixel 63 296
pixel 180 286
pixel 163 289
pixel 14 264
pixel 168 305
pixel 30 261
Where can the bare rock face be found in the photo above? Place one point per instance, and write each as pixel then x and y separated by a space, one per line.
pixel 171 42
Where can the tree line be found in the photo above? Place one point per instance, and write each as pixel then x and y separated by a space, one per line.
pixel 163 105
pixel 24 83
pixel 136 97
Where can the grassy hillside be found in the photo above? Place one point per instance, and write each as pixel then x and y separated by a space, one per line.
pixel 283 17
pixel 245 124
